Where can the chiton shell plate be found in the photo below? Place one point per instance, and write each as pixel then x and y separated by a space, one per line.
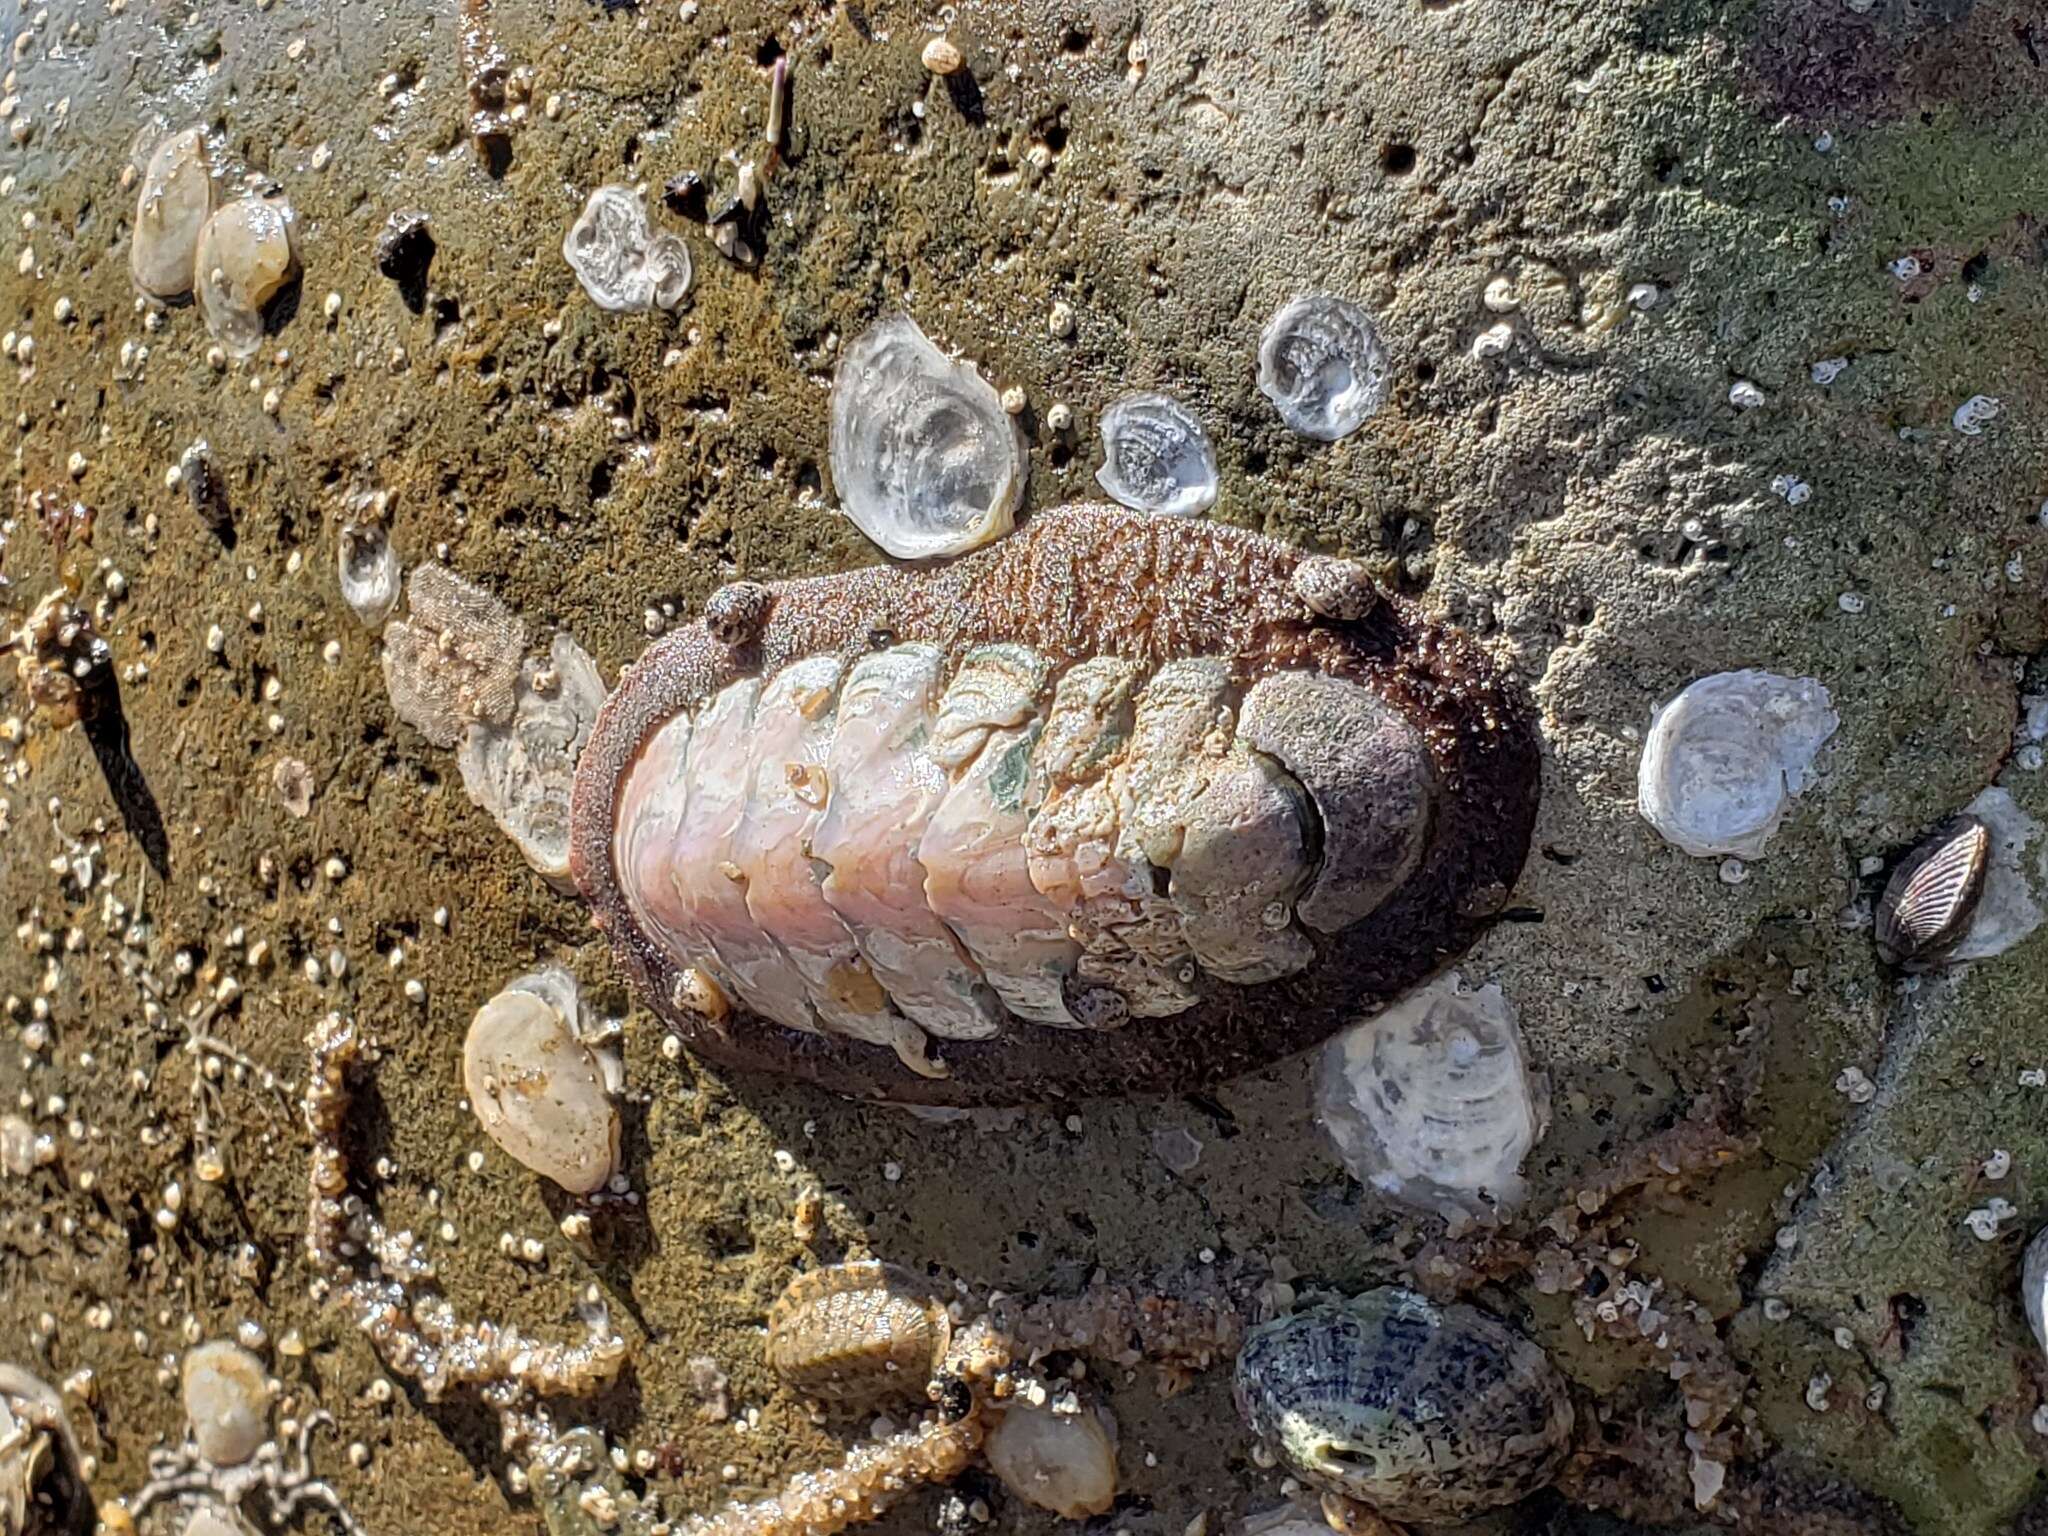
pixel 861 1333
pixel 1115 804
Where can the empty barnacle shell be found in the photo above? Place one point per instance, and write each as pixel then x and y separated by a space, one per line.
pixel 1323 365
pixel 861 1333
pixel 623 264
pixel 522 771
pixel 925 459
pixel 1932 895
pixel 538 1089
pixel 1725 759
pixel 1156 457
pixel 1417 1411
pixel 368 571
pixel 1432 1102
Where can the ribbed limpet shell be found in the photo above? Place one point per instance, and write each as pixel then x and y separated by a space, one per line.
pixel 1114 805
pixel 1417 1411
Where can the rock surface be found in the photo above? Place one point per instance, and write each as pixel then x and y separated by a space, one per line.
pixel 1578 229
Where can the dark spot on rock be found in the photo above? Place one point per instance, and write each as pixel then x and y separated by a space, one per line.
pixel 404 251
pixel 1397 159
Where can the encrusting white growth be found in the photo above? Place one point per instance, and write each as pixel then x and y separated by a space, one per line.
pixel 454 660
pixel 538 1088
pixel 1323 365
pixel 622 263
pixel 1156 457
pixel 1432 1102
pixel 1725 759
pixel 924 457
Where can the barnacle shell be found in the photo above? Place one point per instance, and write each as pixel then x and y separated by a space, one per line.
pixel 622 263
pixel 1432 1102
pixel 522 771
pixel 537 1089
pixel 248 252
pixel 1323 365
pixel 1727 757
pixel 175 201
pixel 1105 807
pixel 925 459
pixel 1932 895
pixel 1059 1455
pixel 1418 1411
pixel 861 1333
pixel 1156 457
pixel 226 1401
pixel 455 659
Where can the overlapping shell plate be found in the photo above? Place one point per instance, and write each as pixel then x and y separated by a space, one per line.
pixel 1113 805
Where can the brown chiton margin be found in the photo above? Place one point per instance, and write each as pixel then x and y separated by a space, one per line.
pixel 1094 580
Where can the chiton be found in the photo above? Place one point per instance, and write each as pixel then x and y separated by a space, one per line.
pixel 1120 803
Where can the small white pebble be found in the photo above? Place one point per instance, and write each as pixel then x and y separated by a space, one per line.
pixel 1744 395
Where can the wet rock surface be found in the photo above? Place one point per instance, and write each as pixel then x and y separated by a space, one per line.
pixel 1577 232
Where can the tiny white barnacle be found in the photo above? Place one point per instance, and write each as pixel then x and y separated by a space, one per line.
pixel 1972 415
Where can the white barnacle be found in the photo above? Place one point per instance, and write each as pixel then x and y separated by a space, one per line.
pixel 924 457
pixel 623 264
pixel 1975 413
pixel 1724 760
pixel 1156 457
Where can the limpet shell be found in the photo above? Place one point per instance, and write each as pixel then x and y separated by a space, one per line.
pixel 860 1334
pixel 248 253
pixel 1105 807
pixel 1323 365
pixel 1156 457
pixel 1059 1455
pixel 176 199
pixel 1417 1411
pixel 537 1089
pixel 1725 759
pixel 1933 894
pixel 925 459
pixel 1432 1102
